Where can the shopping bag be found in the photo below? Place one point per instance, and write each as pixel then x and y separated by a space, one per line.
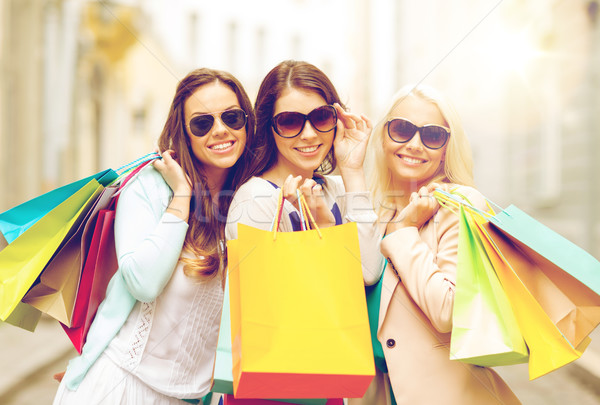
pixel 24 258
pixel 55 291
pixel 373 296
pixel 223 375
pixel 485 332
pixel 549 349
pixel 574 271
pixel 100 261
pixel 229 399
pixel 302 330
pixel 545 299
pixel 24 316
pixel 3 242
pixel 18 219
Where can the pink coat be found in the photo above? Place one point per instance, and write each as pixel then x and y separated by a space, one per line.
pixel 415 319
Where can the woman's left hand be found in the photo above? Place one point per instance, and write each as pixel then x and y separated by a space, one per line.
pixel 351 139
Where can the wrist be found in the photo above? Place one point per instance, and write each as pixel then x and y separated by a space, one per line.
pixel 351 170
pixel 354 179
pixel 182 193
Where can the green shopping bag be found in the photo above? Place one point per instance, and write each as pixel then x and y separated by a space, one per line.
pixel 373 295
pixel 25 257
pixel 485 331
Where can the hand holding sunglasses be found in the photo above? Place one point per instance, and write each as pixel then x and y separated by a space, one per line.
pixel 201 125
pixel 401 130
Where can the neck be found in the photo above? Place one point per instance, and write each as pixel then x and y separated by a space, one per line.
pixel 278 173
pixel 215 179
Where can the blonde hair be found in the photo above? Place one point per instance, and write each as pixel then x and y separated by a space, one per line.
pixel 458 161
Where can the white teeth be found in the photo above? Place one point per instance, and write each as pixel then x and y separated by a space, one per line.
pixel 221 146
pixel 412 160
pixel 308 149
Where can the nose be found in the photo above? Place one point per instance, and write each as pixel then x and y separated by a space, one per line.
pixel 219 128
pixel 308 132
pixel 415 142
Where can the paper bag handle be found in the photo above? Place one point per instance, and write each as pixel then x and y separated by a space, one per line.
pixel 453 200
pixel 306 218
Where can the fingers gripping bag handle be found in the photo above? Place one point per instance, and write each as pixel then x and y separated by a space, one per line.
pixel 306 218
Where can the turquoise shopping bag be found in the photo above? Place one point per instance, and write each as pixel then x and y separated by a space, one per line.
pixel 18 219
pixel 537 239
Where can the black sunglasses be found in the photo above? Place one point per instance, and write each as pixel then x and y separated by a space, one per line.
pixel 289 124
pixel 402 130
pixel 200 125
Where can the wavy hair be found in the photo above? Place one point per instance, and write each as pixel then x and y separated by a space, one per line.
pixel 295 75
pixel 458 160
pixel 206 223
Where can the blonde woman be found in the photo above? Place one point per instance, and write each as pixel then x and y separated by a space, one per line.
pixel 420 145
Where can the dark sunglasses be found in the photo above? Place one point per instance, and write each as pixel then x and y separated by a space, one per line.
pixel 289 124
pixel 200 125
pixel 402 130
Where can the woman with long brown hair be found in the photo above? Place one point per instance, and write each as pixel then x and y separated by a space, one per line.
pixel 304 134
pixel 154 337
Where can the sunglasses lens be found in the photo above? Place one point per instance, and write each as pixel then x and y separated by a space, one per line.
pixel 200 125
pixel 323 119
pixel 401 130
pixel 434 137
pixel 289 124
pixel 234 119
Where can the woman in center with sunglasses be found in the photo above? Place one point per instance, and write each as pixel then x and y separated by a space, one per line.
pixel 419 146
pixel 303 134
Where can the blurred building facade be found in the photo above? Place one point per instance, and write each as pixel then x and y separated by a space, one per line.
pixel 86 85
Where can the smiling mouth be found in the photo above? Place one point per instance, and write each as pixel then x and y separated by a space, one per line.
pixel 412 160
pixel 221 146
pixel 308 149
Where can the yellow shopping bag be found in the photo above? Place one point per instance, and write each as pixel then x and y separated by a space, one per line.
pixel 299 320
pixel 22 261
pixel 549 349
pixel 55 291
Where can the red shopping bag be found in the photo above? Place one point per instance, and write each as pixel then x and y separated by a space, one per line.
pixel 229 399
pixel 100 264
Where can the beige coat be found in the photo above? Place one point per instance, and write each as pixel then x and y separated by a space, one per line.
pixel 415 319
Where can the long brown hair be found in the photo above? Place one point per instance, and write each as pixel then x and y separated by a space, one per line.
pixel 206 223
pixel 288 74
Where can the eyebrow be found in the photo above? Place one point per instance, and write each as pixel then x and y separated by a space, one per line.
pixel 209 112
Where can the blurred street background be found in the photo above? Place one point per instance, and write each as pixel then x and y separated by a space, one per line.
pixel 86 85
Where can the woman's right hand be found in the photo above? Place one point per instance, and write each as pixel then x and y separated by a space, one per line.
pixel 421 208
pixel 179 182
pixel 313 193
